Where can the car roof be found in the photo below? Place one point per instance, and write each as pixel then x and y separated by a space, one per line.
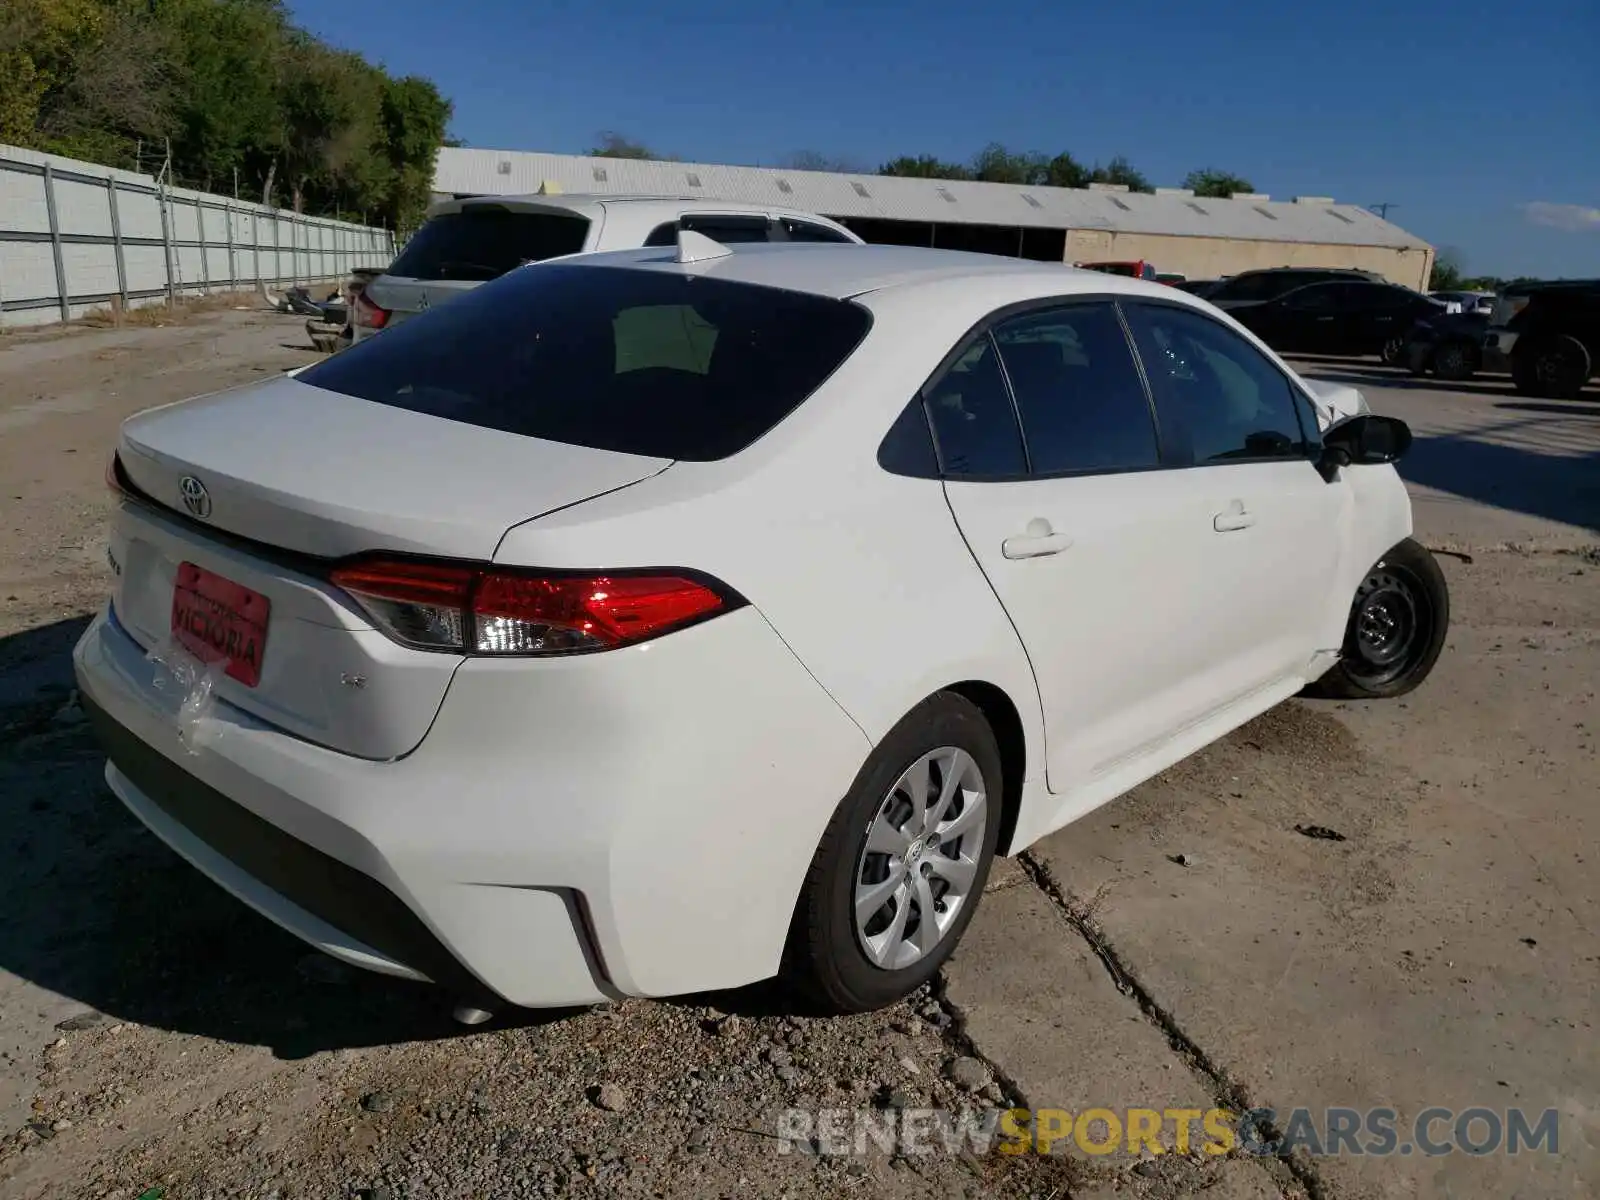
pixel 843 271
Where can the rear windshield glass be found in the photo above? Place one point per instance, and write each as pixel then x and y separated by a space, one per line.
pixel 644 362
pixel 485 243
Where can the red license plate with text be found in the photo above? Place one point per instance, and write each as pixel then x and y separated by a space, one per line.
pixel 219 621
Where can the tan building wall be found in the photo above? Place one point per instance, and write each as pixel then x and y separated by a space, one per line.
pixel 1208 258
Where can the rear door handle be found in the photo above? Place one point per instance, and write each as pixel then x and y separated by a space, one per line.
pixel 1036 542
pixel 1234 519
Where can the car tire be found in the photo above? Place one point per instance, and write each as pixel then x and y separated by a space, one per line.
pixel 1552 368
pixel 828 960
pixel 1396 629
pixel 1453 361
pixel 1391 351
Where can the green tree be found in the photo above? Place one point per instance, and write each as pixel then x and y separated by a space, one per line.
pixel 1447 275
pixel 415 118
pixel 1065 171
pixel 230 58
pixel 41 43
pixel 1208 181
pixel 996 164
pixel 233 87
pixel 924 166
pixel 611 144
pixel 1120 170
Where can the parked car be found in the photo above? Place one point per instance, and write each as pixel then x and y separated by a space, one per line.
pixel 1548 335
pixel 633 626
pixel 1481 303
pixel 467 242
pixel 1349 317
pixel 1255 287
pixel 1448 346
pixel 1171 278
pixel 1197 287
pixel 1128 270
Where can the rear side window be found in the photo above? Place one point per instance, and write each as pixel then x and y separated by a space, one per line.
pixel 1219 399
pixel 725 229
pixel 973 420
pixel 1316 296
pixel 1082 404
pixel 481 243
pixel 637 361
pixel 808 231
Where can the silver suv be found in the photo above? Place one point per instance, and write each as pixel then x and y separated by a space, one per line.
pixel 470 241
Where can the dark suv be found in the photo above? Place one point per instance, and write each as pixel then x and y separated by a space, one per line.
pixel 1254 287
pixel 1548 334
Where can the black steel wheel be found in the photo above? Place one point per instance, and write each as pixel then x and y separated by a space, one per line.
pixel 1397 626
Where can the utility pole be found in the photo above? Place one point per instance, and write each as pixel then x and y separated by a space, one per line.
pixel 1383 209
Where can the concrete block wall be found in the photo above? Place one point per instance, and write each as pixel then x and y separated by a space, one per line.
pixel 75 235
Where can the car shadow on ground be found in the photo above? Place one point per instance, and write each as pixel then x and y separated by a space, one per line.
pixel 1556 487
pixel 1570 408
pixel 100 912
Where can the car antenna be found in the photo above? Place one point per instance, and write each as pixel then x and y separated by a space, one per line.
pixel 697 247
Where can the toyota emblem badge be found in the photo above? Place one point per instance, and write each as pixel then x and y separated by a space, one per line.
pixel 195 497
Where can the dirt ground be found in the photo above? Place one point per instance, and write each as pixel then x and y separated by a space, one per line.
pixel 1385 905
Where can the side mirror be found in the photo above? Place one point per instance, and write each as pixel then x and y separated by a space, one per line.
pixel 1366 439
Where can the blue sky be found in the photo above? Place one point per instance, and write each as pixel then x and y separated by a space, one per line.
pixel 1479 122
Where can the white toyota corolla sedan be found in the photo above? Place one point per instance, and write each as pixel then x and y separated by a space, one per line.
pixel 667 620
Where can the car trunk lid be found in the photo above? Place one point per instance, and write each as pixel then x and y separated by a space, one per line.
pixel 320 473
pixel 264 486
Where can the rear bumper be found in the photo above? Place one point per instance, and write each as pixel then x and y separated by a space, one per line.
pixel 315 896
pixel 569 831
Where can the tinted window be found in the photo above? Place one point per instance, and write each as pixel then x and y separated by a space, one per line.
pixel 1254 287
pixel 1269 285
pixel 642 362
pixel 1218 398
pixel 724 229
pixel 907 449
pixel 1397 299
pixel 484 242
pixel 1319 296
pixel 973 420
pixel 806 231
pixel 1078 392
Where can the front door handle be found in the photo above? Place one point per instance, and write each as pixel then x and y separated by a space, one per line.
pixel 1036 542
pixel 1234 519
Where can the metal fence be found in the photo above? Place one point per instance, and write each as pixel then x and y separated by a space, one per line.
pixel 75 236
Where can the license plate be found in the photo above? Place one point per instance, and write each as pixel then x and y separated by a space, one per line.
pixel 219 621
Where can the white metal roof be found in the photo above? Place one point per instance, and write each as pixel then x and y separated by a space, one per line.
pixel 1313 219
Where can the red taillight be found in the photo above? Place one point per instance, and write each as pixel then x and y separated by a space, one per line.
pixel 367 314
pixel 484 611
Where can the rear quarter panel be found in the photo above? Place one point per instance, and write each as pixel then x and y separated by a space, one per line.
pixel 863 574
